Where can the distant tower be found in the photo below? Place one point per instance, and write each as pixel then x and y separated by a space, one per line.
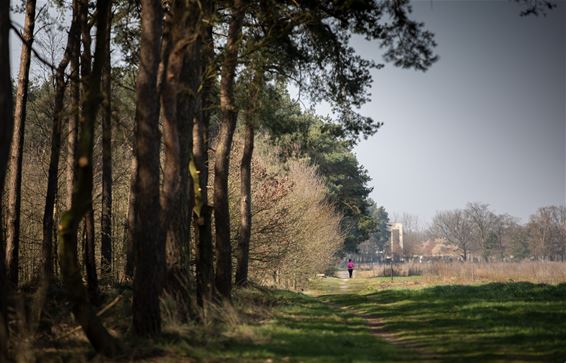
pixel 396 238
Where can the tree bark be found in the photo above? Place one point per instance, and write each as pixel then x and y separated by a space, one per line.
pixel 229 116
pixel 180 85
pixel 149 243
pixel 106 218
pixel 52 179
pixel 6 128
pixel 16 154
pixel 86 56
pixel 89 258
pixel 89 261
pixel 73 121
pixel 202 214
pixel 47 244
pixel 174 44
pixel 85 315
pixel 185 117
pixel 130 222
pixel 245 206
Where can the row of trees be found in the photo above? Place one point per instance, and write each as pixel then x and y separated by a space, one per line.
pixel 478 230
pixel 475 232
pixel 192 71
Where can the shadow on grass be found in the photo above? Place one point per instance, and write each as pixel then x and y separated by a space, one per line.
pixel 304 331
pixel 496 321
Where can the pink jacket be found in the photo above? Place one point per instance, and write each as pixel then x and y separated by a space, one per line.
pixel 350 265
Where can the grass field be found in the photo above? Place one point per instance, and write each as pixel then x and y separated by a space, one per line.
pixel 488 322
pixel 376 320
pixel 359 320
pixel 301 329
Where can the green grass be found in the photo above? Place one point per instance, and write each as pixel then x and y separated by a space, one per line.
pixel 302 329
pixel 490 322
pixel 357 320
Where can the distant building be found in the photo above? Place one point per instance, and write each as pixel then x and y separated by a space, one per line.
pixel 396 239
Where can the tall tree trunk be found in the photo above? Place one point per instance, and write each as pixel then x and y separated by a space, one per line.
pixel 185 201
pixel 130 221
pixel 172 62
pixel 16 154
pixel 149 242
pixel 86 71
pixel 243 251
pixel 178 112
pixel 86 56
pixel 202 214
pixel 245 206
pixel 73 121
pixel 106 218
pixel 89 258
pixel 85 315
pixel 229 116
pixel 6 128
pixel 52 179
pixel 52 176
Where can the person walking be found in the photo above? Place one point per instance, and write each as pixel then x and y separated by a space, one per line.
pixel 350 267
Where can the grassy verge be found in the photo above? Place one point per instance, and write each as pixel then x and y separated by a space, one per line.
pixel 516 321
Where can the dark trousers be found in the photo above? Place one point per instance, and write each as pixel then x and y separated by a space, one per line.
pixel 350 271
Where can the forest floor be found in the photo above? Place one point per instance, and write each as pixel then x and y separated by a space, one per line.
pixel 358 320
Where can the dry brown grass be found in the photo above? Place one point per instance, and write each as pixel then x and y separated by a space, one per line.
pixel 456 272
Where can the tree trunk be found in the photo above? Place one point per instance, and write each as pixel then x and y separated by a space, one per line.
pixel 73 121
pixel 130 222
pixel 149 244
pixel 202 215
pixel 6 128
pixel 202 212
pixel 89 239
pixel 16 154
pixel 86 57
pixel 171 224
pixel 185 117
pixel 85 315
pixel 89 258
pixel 245 207
pixel 179 88
pixel 52 176
pixel 229 116
pixel 106 218
pixel 52 179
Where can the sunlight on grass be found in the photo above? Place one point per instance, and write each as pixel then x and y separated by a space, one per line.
pixel 495 321
pixel 376 320
pixel 297 328
pixel 309 331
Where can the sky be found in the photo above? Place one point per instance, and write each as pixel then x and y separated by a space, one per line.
pixel 485 124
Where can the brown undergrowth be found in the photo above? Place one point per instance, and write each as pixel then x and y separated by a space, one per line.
pixel 59 339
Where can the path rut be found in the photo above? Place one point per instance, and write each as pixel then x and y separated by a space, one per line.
pixel 376 325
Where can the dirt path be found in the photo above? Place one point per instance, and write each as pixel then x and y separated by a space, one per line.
pixel 376 327
pixel 343 276
pixel 374 323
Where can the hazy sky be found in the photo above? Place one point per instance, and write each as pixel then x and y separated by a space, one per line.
pixel 486 123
